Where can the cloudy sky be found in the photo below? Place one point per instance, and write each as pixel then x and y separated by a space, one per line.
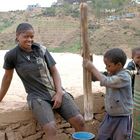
pixel 8 5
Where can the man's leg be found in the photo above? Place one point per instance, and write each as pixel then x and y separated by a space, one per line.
pixel 70 112
pixel 50 131
pixel 77 122
pixel 42 110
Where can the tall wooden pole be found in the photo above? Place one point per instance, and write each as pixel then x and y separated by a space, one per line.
pixel 87 82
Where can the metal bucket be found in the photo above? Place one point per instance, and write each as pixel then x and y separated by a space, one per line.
pixel 83 136
pixel 136 111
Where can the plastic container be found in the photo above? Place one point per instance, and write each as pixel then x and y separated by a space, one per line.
pixel 83 136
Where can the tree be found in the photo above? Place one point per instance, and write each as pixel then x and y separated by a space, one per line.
pixel 50 11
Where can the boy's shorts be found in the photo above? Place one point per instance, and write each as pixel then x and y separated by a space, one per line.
pixel 43 112
pixel 115 128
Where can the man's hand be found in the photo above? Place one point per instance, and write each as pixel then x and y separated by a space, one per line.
pixel 57 99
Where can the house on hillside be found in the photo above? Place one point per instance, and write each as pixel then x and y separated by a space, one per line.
pixel 60 3
pixel 33 7
pixel 136 1
pixel 72 1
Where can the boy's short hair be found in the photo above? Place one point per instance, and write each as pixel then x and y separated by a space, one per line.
pixel 134 50
pixel 116 55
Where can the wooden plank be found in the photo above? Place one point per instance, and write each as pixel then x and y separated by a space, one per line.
pixel 87 82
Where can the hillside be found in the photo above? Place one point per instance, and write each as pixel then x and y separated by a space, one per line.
pixel 50 31
pixel 123 33
pixel 62 33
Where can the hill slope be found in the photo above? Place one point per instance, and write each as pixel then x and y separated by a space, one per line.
pixel 62 33
pixel 123 33
pixel 49 31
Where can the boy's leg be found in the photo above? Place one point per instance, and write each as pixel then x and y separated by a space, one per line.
pixel 124 129
pixel 105 129
pixel 115 128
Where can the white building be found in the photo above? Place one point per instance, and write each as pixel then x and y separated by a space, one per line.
pixel 136 1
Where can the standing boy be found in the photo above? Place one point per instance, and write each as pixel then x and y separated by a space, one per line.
pixel 117 122
pixel 134 65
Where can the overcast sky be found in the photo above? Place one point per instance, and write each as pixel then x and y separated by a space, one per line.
pixel 8 5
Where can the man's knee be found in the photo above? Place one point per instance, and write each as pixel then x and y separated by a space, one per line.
pixel 50 128
pixel 77 122
pixel 79 118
